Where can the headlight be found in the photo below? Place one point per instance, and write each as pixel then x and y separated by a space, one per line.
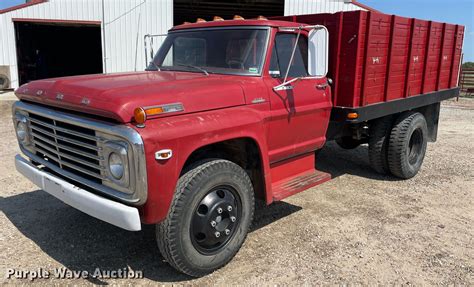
pixel 116 166
pixel 21 128
pixel 22 131
pixel 117 163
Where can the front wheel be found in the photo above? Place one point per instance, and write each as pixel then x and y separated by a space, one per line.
pixel 209 218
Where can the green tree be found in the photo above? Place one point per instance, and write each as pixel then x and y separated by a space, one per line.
pixel 468 65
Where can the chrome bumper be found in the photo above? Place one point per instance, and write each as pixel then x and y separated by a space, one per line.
pixel 107 210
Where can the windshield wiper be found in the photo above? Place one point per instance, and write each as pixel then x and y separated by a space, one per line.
pixel 194 67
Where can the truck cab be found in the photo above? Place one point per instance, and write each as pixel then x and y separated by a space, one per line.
pixel 227 112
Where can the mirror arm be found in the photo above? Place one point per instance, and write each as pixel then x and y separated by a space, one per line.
pixel 284 85
pixel 292 55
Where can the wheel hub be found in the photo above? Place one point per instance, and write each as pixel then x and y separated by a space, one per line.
pixel 215 220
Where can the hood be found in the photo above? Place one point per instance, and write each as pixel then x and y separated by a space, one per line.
pixel 117 95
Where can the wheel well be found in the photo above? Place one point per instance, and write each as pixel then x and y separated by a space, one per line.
pixel 242 151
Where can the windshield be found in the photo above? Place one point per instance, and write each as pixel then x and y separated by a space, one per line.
pixel 220 51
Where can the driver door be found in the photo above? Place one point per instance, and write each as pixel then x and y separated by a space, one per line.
pixel 300 115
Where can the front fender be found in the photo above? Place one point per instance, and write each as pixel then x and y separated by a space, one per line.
pixel 186 133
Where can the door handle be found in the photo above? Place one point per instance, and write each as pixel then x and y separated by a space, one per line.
pixel 322 86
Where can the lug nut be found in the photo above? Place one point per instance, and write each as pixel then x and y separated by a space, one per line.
pixel 232 218
pixel 219 210
pixel 217 234
pixel 227 232
pixel 213 223
pixel 229 208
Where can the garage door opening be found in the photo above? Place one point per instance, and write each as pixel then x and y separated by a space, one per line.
pixel 47 50
pixel 190 10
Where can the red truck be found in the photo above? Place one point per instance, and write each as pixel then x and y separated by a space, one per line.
pixel 232 111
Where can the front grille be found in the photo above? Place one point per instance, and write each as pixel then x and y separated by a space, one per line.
pixel 72 148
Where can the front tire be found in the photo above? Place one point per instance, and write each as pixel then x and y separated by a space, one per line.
pixel 209 218
pixel 407 146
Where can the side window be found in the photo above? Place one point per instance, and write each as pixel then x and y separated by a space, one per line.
pixel 281 55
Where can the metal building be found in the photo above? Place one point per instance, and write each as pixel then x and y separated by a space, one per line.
pixel 52 38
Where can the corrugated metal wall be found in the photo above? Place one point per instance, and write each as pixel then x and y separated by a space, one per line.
pixel 301 7
pixel 126 23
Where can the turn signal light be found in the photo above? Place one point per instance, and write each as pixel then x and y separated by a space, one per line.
pixel 217 18
pixel 352 116
pixel 200 20
pixel 238 17
pixel 154 111
pixel 139 115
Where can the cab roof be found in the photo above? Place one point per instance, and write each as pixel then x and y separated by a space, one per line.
pixel 233 23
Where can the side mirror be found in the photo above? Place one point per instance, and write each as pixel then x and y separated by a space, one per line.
pixel 318 52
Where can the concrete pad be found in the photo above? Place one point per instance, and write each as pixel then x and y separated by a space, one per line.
pixel 7 96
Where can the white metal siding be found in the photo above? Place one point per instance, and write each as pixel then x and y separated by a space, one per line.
pixel 126 23
pixel 301 7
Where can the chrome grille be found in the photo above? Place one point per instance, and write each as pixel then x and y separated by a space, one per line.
pixel 70 147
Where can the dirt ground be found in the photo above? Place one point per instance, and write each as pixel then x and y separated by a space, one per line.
pixel 359 228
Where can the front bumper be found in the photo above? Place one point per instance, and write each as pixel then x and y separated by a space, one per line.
pixel 107 210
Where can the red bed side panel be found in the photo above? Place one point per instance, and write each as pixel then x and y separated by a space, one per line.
pixel 376 57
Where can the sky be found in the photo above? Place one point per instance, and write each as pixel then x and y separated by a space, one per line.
pixel 8 3
pixel 450 11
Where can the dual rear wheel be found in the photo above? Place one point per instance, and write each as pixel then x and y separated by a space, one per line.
pixel 398 145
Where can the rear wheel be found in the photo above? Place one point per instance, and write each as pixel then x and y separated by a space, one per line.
pixel 208 219
pixel 378 144
pixel 407 147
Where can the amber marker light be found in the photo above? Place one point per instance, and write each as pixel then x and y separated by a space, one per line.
pixel 139 115
pixel 200 20
pixel 238 17
pixel 261 18
pixel 217 18
pixel 352 116
pixel 154 111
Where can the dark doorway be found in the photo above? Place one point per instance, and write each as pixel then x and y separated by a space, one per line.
pixel 190 10
pixel 48 50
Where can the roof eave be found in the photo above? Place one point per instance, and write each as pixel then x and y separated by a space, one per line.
pixel 21 6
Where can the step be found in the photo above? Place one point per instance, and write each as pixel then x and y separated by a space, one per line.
pixel 298 183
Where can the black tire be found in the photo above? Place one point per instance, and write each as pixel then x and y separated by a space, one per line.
pixel 407 147
pixel 379 136
pixel 348 142
pixel 192 252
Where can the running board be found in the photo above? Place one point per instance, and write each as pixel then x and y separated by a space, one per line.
pixel 296 175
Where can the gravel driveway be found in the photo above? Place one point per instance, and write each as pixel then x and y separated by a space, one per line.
pixel 359 228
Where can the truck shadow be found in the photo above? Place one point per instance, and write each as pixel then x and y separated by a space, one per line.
pixel 338 161
pixel 80 242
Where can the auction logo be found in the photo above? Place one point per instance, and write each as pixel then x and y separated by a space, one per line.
pixel 64 273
